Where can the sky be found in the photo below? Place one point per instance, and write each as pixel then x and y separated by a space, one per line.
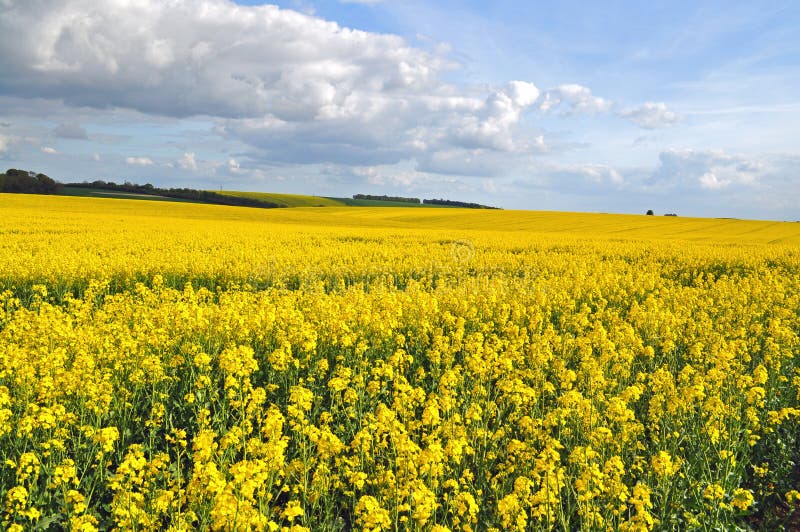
pixel 681 107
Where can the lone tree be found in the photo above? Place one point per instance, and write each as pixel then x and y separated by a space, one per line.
pixel 650 212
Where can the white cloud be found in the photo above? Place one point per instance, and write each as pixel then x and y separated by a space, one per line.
pixel 367 2
pixel 573 99
pixel 206 57
pixel 710 180
pixel 651 115
pixel 523 93
pixel 286 88
pixel 188 161
pixel 4 142
pixel 296 87
pixel 707 170
pixel 96 157
pixel 139 161
pixel 48 150
pixel 491 124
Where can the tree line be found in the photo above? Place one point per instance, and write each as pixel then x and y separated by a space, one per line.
pixel 448 203
pixel 451 203
pixel 27 182
pixel 24 182
pixel 204 196
pixel 385 198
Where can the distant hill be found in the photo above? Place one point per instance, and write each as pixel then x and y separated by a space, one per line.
pixel 23 181
pixel 400 201
pixel 285 200
pixel 358 200
pixel 386 198
pixel 451 203
pixel 129 190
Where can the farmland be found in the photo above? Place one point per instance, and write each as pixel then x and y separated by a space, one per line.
pixel 286 200
pixel 100 193
pixel 184 366
pixel 299 200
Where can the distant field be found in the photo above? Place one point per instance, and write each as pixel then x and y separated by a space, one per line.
pixel 299 200
pixel 458 223
pixel 286 200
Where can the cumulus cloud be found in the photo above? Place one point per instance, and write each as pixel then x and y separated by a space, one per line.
pixel 48 150
pixel 491 124
pixel 707 170
pixel 651 115
pixel 573 99
pixel 522 93
pixel 207 57
pixel 70 131
pixel 139 161
pixel 188 161
pixel 297 87
pixel 4 142
pixel 281 86
pixel 390 129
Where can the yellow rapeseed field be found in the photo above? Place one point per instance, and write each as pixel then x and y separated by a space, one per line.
pixel 170 366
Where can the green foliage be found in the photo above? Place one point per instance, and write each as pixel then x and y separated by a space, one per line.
pixel 203 196
pixel 451 203
pixel 286 200
pixel 385 198
pixel 24 182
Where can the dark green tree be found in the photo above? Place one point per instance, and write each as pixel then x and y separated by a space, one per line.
pixel 24 182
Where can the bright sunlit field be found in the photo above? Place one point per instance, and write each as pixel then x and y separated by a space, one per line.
pixel 183 366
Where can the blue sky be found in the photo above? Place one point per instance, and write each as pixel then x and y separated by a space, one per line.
pixel 686 107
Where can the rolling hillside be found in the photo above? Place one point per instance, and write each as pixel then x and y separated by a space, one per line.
pixel 286 200
pixel 299 200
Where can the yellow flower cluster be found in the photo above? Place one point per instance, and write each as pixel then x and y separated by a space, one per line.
pixel 184 367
